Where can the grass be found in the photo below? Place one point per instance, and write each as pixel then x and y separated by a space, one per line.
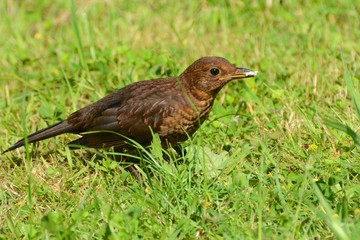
pixel 264 166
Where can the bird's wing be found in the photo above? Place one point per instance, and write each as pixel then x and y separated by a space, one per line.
pixel 133 118
pixel 131 121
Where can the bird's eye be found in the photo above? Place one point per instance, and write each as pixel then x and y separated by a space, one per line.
pixel 214 71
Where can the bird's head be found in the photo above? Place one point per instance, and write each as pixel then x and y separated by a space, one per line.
pixel 210 74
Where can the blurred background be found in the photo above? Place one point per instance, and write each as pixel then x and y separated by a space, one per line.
pixel 59 56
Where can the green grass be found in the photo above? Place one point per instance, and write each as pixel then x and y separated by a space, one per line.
pixel 264 166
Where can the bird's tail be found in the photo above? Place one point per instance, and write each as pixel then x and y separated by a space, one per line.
pixel 51 131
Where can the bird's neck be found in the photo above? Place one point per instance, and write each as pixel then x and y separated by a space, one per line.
pixel 199 100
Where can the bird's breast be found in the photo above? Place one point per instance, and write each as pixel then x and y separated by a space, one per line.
pixel 184 121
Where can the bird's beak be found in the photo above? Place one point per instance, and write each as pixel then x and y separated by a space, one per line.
pixel 240 73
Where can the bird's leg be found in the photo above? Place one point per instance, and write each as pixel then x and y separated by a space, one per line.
pixel 130 166
pixel 135 173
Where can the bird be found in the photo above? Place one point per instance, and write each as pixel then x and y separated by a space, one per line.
pixel 172 107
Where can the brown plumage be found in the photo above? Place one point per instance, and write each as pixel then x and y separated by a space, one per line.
pixel 172 107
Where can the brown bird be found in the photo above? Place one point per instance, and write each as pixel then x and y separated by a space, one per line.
pixel 172 107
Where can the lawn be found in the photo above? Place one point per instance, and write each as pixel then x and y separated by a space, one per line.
pixel 267 164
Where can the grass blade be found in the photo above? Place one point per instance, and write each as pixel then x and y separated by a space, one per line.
pixel 344 128
pixel 329 216
pixel 354 94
